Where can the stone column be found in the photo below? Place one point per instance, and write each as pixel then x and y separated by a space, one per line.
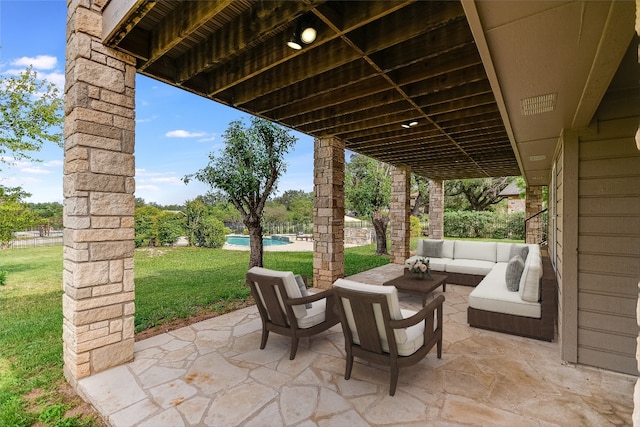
pixel 533 205
pixel 436 209
pixel 399 213
pixel 328 212
pixel 98 299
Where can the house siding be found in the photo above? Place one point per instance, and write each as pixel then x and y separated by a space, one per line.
pixel 609 235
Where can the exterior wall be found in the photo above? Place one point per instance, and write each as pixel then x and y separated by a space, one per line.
pixel 436 209
pixel 98 300
pixel 533 206
pixel 399 214
pixel 328 212
pixel 595 235
pixel 609 236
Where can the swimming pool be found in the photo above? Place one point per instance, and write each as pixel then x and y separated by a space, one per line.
pixel 266 241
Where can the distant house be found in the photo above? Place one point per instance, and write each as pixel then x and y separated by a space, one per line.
pixel 516 202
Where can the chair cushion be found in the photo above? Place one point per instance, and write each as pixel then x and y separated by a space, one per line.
pixel 303 289
pixel 530 280
pixel 522 250
pixel 415 337
pixel 483 251
pixel 290 285
pixel 470 266
pixel 433 248
pixel 513 273
pixel 391 294
pixel 503 250
pixel 315 315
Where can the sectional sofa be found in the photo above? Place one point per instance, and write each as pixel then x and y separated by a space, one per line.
pixel 515 289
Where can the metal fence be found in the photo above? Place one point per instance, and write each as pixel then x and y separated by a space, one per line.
pixel 290 227
pixel 35 241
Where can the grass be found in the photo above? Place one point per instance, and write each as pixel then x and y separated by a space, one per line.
pixel 171 283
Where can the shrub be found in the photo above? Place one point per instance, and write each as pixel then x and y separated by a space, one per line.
pixel 484 224
pixel 3 277
pixel 211 233
pixel 415 227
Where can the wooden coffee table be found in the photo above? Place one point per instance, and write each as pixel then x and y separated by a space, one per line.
pixel 418 286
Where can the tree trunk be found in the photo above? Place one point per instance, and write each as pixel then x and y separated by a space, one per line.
pixel 415 211
pixel 255 242
pixel 380 226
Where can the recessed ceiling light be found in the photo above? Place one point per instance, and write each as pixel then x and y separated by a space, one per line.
pixel 537 158
pixel 538 104
pixel 413 123
pixel 406 126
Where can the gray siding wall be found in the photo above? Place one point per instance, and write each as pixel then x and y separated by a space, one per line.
pixel 609 236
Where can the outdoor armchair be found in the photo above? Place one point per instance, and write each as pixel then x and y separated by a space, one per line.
pixel 285 311
pixel 377 330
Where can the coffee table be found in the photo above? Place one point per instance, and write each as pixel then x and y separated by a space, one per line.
pixel 418 286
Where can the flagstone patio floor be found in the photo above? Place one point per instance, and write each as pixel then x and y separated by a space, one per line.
pixel 213 373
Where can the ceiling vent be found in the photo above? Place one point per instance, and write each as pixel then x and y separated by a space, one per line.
pixel 538 104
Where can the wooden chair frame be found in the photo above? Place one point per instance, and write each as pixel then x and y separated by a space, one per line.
pixel 284 322
pixel 370 346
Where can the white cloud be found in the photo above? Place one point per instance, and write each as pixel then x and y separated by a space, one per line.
pixel 35 170
pixel 147 120
pixel 53 163
pixel 147 188
pixel 179 133
pixel 211 137
pixel 168 179
pixel 40 62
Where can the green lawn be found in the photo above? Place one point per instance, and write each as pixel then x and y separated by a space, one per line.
pixel 171 283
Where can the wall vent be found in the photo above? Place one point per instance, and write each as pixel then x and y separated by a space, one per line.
pixel 538 104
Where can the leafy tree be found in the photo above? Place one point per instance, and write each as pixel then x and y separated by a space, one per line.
pixel 171 225
pixel 247 171
pixel 14 214
pixel 480 193
pixel 368 192
pixel 204 227
pixel 275 212
pixel 30 115
pixel 146 225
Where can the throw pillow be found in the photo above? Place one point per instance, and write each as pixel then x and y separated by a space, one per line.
pixel 522 250
pixel 433 248
pixel 303 289
pixel 515 267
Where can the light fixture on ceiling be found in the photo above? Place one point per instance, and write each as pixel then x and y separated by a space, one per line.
pixel 410 124
pixel 305 33
pixel 537 158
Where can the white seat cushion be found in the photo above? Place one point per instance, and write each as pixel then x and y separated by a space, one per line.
pixel 492 295
pixel 502 251
pixel 470 266
pixel 290 285
pixel 315 315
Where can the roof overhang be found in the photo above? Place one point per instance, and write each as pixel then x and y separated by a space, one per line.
pixel 460 70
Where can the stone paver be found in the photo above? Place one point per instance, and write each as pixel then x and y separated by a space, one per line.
pixel 213 373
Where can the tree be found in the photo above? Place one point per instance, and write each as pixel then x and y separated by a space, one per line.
pixel 30 115
pixel 480 193
pixel 419 185
pixel 14 214
pixel 368 192
pixel 247 172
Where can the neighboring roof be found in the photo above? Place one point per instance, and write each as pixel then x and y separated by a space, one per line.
pixel 511 190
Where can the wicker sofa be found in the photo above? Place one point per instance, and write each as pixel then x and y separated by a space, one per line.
pixel 529 310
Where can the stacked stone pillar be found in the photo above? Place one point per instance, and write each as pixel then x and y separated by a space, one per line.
pixel 98 300
pixel 328 212
pixel 533 205
pixel 436 209
pixel 399 213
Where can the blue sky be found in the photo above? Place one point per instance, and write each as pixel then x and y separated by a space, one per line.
pixel 175 130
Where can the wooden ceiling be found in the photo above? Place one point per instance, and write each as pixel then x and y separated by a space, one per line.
pixel 374 66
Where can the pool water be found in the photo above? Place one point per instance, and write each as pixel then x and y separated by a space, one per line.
pixel 244 241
